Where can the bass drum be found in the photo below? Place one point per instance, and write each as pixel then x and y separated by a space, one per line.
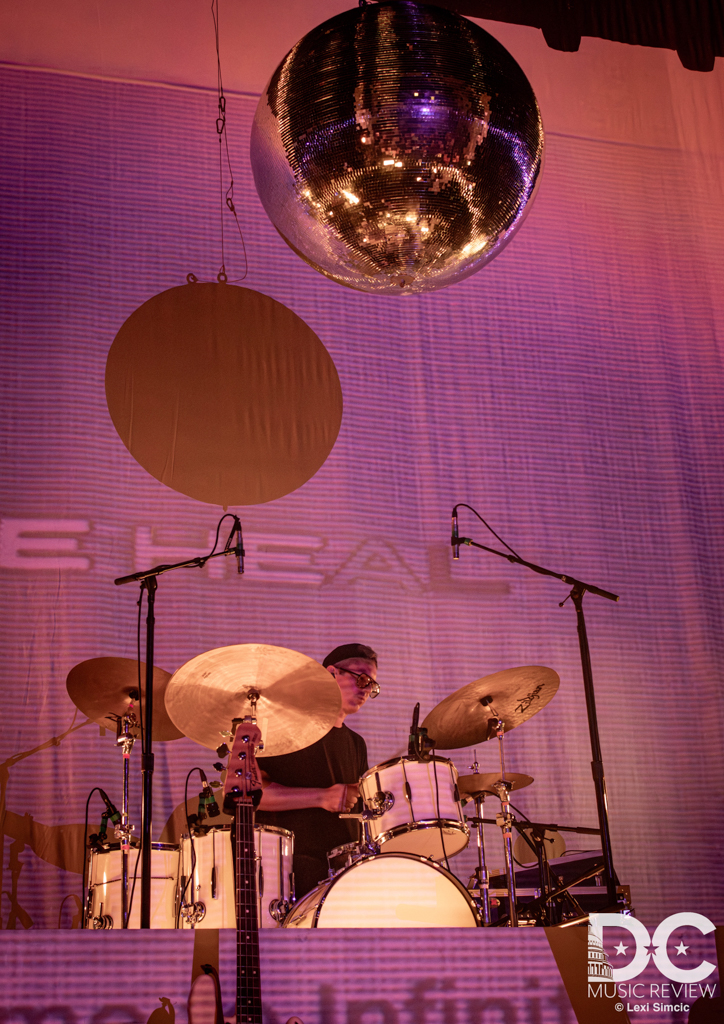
pixel 105 874
pixel 208 901
pixel 390 890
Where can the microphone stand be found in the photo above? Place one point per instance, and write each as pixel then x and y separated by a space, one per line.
pixel 148 580
pixel 579 588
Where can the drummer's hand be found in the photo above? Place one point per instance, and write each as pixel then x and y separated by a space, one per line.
pixel 339 798
pixel 351 797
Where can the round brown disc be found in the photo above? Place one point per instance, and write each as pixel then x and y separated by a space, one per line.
pixel 223 394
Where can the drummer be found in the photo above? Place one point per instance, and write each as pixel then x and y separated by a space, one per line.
pixel 305 791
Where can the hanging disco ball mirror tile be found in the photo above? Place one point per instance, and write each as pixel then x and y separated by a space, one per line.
pixel 397 148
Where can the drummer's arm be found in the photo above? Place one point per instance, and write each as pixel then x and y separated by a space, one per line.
pixel 276 797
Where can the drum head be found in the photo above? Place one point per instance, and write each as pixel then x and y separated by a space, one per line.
pixel 390 891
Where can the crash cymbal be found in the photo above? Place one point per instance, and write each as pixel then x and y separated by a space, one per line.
pixel 460 720
pixel 470 786
pixel 299 701
pixel 101 688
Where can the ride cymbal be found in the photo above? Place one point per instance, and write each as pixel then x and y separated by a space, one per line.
pixel 101 688
pixel 299 701
pixel 470 786
pixel 461 720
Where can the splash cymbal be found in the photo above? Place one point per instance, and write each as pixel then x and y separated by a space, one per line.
pixel 461 720
pixel 470 786
pixel 299 701
pixel 104 688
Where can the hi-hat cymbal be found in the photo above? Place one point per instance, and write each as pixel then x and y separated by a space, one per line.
pixel 460 720
pixel 101 688
pixel 470 786
pixel 299 701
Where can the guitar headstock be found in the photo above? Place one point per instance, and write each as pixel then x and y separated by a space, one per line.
pixel 243 779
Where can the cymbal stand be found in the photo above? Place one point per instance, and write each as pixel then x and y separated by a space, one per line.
pixel 537 842
pixel 365 816
pixel 481 870
pixel 504 819
pixel 480 874
pixel 125 739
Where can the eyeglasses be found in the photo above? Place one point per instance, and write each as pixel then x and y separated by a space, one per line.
pixel 364 682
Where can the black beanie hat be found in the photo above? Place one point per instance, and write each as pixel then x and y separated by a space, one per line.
pixel 347 651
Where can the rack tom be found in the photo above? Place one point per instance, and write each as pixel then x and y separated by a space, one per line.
pixel 417 807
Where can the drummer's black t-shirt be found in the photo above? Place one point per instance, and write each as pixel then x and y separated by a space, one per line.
pixel 340 756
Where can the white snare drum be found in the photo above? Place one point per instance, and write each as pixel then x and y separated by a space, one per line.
pixel 421 807
pixel 208 900
pixel 392 890
pixel 104 887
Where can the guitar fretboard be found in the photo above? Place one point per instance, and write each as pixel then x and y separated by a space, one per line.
pixel 248 981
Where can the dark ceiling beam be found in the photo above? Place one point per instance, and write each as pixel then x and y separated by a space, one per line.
pixel 693 28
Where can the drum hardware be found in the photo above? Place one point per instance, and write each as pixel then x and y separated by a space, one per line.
pixel 382 801
pixel 504 819
pixel 476 787
pixel 103 922
pixel 279 909
pixel 193 913
pixel 125 740
pixel 536 839
pixel 480 875
pixel 538 909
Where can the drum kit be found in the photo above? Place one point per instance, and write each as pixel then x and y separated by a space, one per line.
pixel 413 807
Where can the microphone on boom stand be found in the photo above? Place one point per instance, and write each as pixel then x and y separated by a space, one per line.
pixel 454 538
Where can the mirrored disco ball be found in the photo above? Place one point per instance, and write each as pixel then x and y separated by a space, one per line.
pixel 397 148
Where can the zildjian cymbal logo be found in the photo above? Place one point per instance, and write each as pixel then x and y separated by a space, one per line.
pixel 525 702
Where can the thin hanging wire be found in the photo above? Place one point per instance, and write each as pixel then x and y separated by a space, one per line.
pixel 226 199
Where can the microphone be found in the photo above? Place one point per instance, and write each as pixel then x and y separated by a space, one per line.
pixel 212 808
pixel 113 812
pixel 239 549
pixel 454 538
pixel 208 806
pixel 412 743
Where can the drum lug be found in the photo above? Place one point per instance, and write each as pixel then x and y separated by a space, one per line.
pixel 382 802
pixel 193 913
pixel 279 909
